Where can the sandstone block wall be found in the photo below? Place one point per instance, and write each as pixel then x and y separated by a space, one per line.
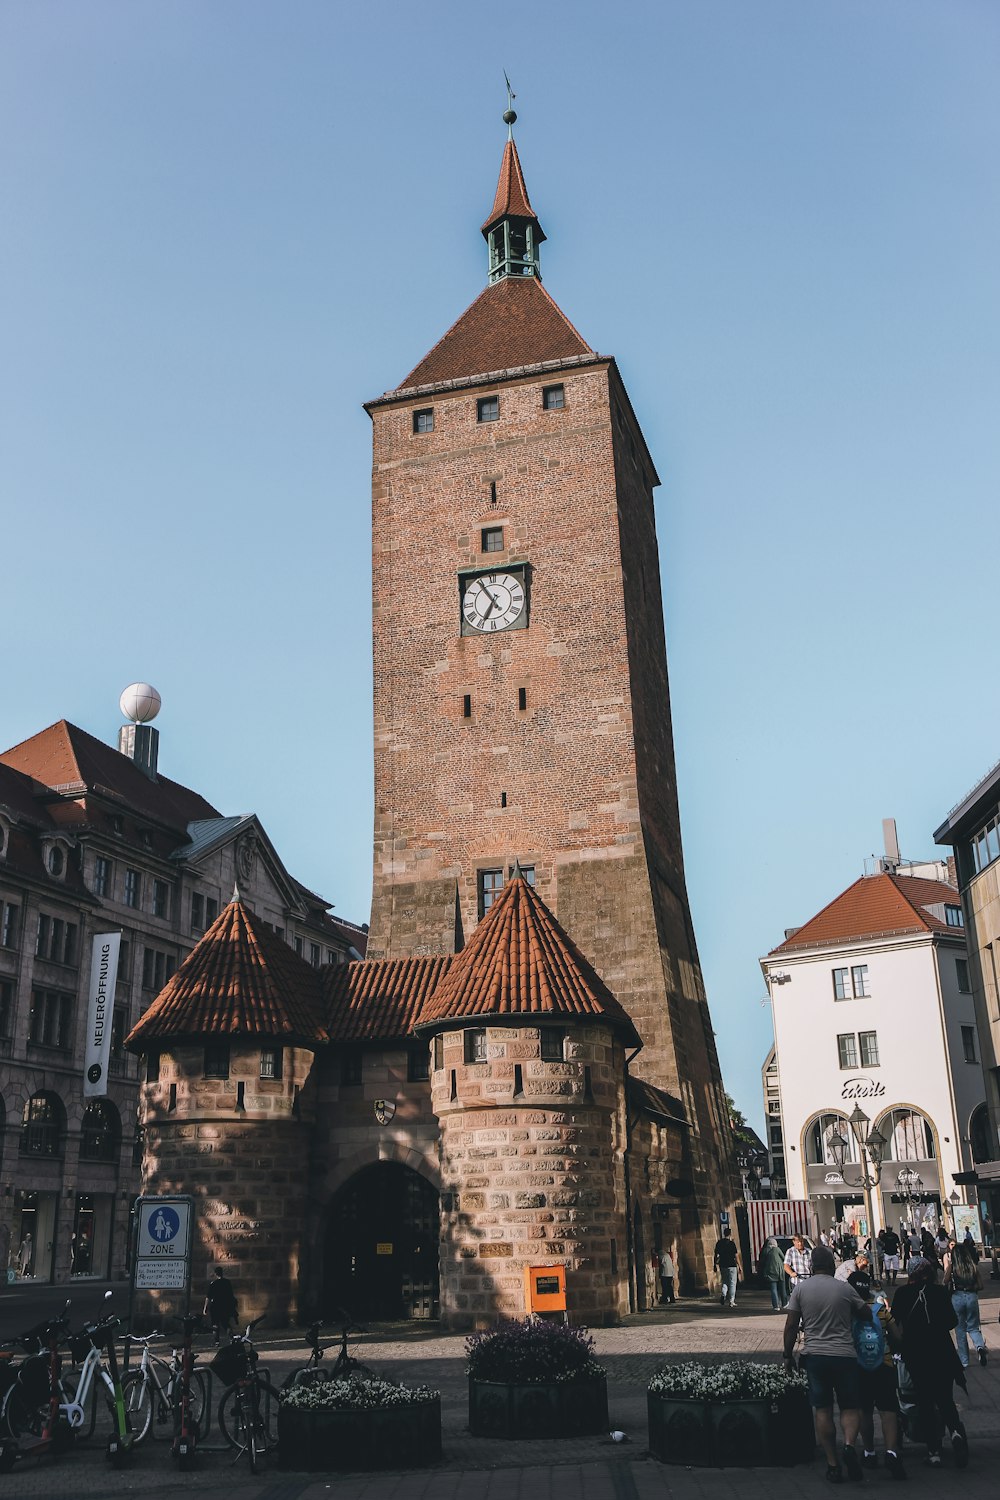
pixel 246 1168
pixel 531 1175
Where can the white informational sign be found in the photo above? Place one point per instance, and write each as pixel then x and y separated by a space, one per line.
pixel 966 1216
pixel 100 1010
pixel 163 1244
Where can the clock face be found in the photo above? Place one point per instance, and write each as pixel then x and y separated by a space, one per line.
pixel 493 601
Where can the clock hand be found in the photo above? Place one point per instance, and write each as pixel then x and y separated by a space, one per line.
pixel 493 603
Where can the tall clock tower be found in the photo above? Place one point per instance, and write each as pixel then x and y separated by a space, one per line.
pixel 522 707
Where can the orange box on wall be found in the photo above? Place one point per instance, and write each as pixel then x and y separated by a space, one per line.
pixel 545 1288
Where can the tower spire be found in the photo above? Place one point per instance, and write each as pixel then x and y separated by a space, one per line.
pixel 512 230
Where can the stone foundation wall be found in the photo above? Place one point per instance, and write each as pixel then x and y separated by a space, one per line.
pixel 531 1174
pixel 246 1168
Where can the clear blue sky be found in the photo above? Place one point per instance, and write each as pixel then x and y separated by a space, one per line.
pixel 226 223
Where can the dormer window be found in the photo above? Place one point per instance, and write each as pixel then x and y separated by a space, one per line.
pixel 953 916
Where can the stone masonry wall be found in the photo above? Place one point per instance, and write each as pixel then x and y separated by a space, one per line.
pixel 533 1175
pixel 246 1168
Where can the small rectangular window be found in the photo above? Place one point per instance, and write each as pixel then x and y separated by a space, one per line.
pixel 953 916
pixel 438 1053
pixel 840 984
pixel 490 886
pixel 859 979
pixel 152 1067
pixel 314 955
pixel 197 912
pixel 418 1064
pixel 211 910
pixel 102 876
pixel 298 946
pixel 488 409
pixel 492 539
pixel 161 898
pixel 466 705
pixel 962 975
pixel 528 871
pixel 6 1006
pixel 553 397
pixel 423 420
pixel 133 887
pixel 522 699
pixel 271 1059
pixel 848 1050
pixel 42 936
pixel 351 1066
pixel 552 1044
pixel 969 1043
pixel 216 1059
pixel 9 925
pixel 868 1041
pixel 475 1044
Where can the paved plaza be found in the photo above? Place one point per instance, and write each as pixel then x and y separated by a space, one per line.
pixel 491 1469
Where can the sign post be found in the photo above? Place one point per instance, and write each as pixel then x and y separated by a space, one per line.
pixel 161 1261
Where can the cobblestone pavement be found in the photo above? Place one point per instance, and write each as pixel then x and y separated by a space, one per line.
pixel 490 1469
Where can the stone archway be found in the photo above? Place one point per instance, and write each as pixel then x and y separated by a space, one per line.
pixel 381 1245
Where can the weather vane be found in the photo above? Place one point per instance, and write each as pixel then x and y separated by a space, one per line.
pixel 509 114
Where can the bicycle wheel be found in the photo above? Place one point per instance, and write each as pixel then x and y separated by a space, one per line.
pixel 139 1401
pixel 200 1417
pixel 266 1428
pixel 256 1433
pixel 20 1417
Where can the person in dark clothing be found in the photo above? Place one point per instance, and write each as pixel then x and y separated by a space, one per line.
pixel 890 1255
pixel 923 1312
pixel 928 1249
pixel 727 1263
pixel 220 1303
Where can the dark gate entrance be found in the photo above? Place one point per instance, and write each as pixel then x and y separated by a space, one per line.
pixel 381 1254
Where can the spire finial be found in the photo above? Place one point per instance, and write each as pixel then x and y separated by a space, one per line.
pixel 237 893
pixel 509 114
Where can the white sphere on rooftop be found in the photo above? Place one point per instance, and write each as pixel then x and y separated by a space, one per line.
pixel 140 702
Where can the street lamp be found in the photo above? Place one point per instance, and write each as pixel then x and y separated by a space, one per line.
pixel 871 1149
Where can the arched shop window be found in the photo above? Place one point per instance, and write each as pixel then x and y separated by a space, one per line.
pixel 100 1132
pixel 818 1135
pixel 909 1136
pixel 43 1126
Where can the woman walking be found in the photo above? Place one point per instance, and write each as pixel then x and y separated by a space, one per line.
pixel 772 1268
pixel 962 1278
pixel 923 1312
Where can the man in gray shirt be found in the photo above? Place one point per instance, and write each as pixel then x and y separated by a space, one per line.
pixel 824 1309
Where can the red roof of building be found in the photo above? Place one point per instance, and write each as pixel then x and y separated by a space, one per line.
pixel 64 757
pixel 242 980
pixel 380 999
pixel 875 906
pixel 511 194
pixel 512 323
pixel 520 962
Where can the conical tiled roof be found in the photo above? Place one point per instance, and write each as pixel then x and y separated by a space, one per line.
pixel 512 194
pixel 520 962
pixel 242 980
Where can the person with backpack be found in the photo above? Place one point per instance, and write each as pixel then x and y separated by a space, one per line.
pixel 923 1313
pixel 871 1334
pixel 825 1309
pixel 963 1280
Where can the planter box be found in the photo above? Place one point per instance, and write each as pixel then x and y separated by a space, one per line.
pixel 574 1409
pixel 386 1437
pixel 731 1434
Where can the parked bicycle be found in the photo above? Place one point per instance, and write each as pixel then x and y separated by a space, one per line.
pixel 248 1410
pixel 43 1409
pixel 344 1367
pixel 154 1392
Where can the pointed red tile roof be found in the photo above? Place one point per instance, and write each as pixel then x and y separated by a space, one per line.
pixel 511 195
pixel 520 962
pixel 379 999
pixel 242 980
pixel 512 323
pixel 65 756
pixel 875 906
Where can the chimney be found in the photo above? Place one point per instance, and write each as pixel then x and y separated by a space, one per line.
pixel 139 740
pixel 891 862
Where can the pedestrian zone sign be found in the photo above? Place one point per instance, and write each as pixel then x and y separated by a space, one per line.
pixel 163 1244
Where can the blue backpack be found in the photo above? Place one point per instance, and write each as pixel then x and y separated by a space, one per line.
pixel 869 1340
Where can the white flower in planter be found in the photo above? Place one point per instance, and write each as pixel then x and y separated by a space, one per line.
pixel 355 1395
pixel 733 1380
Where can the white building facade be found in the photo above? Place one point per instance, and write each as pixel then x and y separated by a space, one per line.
pixel 872 1007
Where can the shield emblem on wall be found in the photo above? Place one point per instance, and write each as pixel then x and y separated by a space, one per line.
pixel 384 1110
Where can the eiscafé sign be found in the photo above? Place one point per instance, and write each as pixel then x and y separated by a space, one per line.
pixel 861 1088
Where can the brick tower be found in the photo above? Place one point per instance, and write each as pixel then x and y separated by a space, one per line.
pixel 226 1110
pixel 520 675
